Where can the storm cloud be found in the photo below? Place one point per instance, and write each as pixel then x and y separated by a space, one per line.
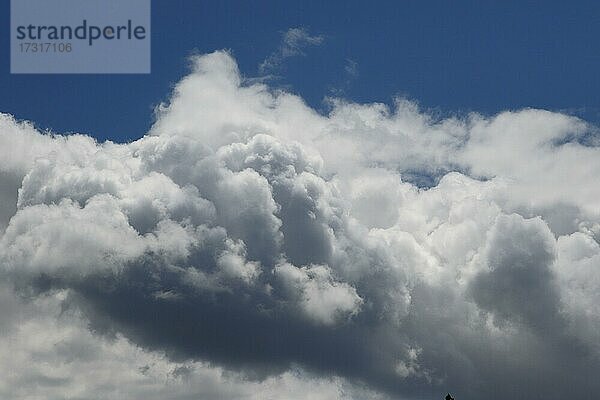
pixel 248 244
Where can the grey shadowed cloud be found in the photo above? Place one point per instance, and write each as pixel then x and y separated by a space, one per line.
pixel 249 246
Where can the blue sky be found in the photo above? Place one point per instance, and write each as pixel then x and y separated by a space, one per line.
pixel 449 56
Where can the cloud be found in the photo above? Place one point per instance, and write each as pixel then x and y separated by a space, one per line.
pixel 293 43
pixel 518 256
pixel 53 355
pixel 351 68
pixel 347 77
pixel 250 246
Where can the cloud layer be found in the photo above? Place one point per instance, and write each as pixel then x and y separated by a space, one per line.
pixel 248 244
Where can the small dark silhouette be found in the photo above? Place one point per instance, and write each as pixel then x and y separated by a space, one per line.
pixel 448 397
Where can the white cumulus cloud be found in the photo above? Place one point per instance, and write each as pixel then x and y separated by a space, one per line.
pixel 250 247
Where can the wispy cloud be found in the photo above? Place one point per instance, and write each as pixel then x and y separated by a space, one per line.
pixel 293 43
pixel 351 68
pixel 346 78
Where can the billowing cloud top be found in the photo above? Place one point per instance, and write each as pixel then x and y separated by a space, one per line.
pixel 252 243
